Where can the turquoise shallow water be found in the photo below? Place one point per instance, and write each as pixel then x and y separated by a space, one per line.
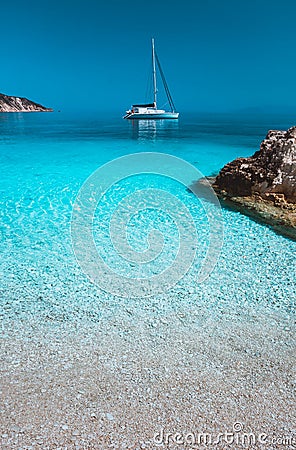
pixel 45 159
pixel 84 368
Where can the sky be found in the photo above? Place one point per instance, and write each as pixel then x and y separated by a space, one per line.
pixel 217 55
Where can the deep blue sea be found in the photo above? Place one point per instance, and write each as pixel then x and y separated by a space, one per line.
pixel 45 160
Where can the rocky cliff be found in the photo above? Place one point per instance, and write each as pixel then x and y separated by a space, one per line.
pixel 270 172
pixel 20 104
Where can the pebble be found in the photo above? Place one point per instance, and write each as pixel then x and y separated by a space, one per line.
pixel 109 416
pixel 76 433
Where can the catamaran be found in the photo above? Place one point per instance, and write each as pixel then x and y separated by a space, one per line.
pixel 149 111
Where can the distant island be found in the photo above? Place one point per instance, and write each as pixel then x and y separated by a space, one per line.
pixel 10 103
pixel 262 186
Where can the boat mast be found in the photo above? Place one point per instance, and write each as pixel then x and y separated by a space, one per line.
pixel 154 72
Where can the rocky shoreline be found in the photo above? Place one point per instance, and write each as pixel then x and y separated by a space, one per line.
pixel 10 103
pixel 263 186
pixel 280 216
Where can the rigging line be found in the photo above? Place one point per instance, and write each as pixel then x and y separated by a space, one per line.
pixel 170 99
pixel 168 94
pixel 164 105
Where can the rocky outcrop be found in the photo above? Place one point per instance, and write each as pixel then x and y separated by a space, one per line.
pixel 269 173
pixel 20 104
pixel 262 186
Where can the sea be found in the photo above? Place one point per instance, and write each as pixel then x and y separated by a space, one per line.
pixel 91 206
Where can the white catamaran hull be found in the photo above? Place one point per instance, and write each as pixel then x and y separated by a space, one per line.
pixel 149 116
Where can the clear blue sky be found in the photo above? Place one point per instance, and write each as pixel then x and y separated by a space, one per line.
pixel 218 55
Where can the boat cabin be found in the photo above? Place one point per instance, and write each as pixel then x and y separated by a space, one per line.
pixel 144 108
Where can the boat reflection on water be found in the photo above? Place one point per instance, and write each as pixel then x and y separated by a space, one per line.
pixel 152 129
